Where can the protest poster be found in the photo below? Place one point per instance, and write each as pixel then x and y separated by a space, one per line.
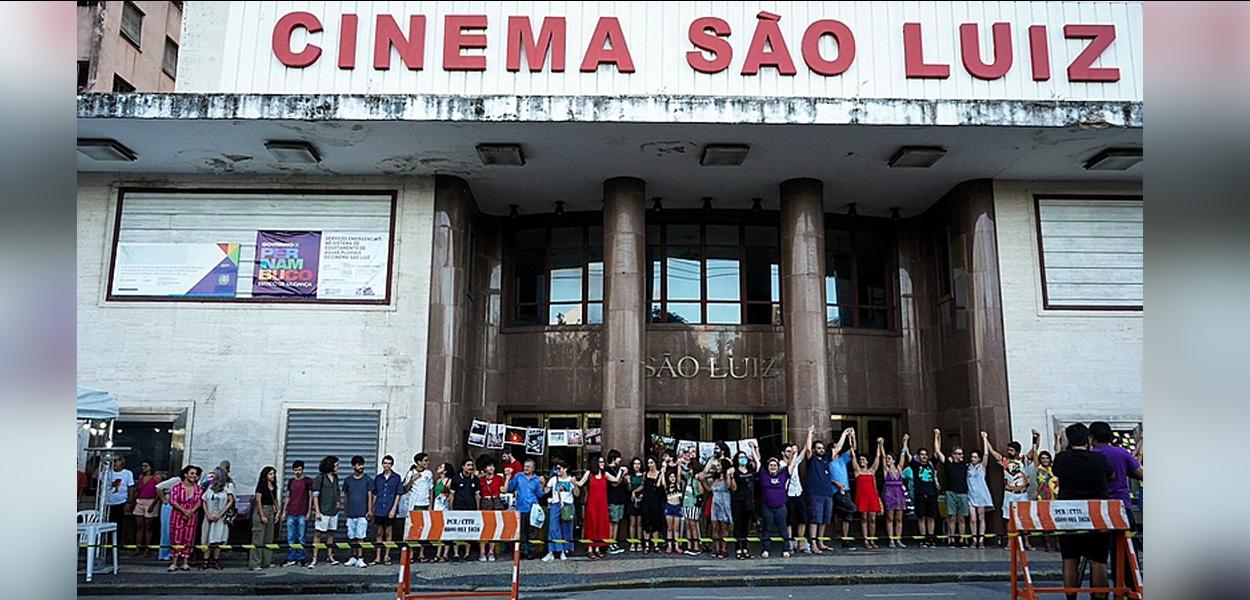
pixel 477 433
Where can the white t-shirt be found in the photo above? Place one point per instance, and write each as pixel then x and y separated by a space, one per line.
pixel 118 484
pixel 419 495
pixel 794 486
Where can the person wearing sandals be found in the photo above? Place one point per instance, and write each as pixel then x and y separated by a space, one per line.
pixel 146 512
pixel 265 516
pixel 184 499
pixel 866 498
pixel 773 483
pixel 442 502
pixel 742 486
pixel 325 504
pixel 715 477
pixel 633 509
pixel 653 521
pixel 895 499
pixel 217 502
pixel 672 510
pixel 492 487
pixel 597 525
pixel 562 489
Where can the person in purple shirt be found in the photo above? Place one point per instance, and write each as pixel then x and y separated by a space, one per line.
pixel 773 481
pixel 1123 466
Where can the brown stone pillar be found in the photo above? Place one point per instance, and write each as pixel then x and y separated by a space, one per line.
pixel 624 321
pixel 803 306
pixel 445 414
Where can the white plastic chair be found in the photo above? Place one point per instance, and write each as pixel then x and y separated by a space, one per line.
pixel 91 531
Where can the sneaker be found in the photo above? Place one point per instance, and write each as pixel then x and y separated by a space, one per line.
pixel 614 549
pixel 764 554
pixel 481 558
pixel 899 544
pixel 550 557
pixel 360 562
pixel 846 545
pixel 492 558
pixel 289 563
pixel 564 556
pixel 785 554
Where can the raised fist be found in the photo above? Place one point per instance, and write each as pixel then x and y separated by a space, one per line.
pixel 880 440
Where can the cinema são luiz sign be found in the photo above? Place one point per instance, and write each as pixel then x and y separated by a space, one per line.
pixel 824 47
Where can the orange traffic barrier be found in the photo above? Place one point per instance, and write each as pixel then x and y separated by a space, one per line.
pixel 462 526
pixel 1073 515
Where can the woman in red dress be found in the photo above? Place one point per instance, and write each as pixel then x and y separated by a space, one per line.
pixel 597 526
pixel 185 499
pixel 866 498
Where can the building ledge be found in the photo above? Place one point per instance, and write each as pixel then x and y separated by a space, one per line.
pixel 1085 114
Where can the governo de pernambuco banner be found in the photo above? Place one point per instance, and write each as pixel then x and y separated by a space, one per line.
pixel 287 264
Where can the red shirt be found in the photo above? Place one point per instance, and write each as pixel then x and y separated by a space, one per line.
pixel 514 465
pixel 493 487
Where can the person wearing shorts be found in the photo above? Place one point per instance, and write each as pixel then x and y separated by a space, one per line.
pixel 325 504
pixel 1083 475
pixel 618 497
pixel 358 504
pixel 955 479
pixel 925 484
pixel 1015 474
pixel 796 505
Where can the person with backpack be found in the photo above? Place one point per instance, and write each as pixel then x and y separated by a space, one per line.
pixel 325 506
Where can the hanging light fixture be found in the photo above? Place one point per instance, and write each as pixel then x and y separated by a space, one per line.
pixel 655 204
pixel 559 207
pixel 757 204
pixel 896 214
pixel 513 210
pixel 851 211
pixel 707 203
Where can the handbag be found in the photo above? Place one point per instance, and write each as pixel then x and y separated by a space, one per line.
pixel 842 503
pixel 566 512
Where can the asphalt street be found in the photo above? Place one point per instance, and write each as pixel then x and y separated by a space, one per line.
pixel 961 591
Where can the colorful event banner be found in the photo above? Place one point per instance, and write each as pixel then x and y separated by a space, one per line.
pixel 353 265
pixel 496 436
pixel 206 269
pixel 286 264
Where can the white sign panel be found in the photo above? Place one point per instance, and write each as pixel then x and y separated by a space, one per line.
pixel 895 50
pixel 165 269
pixel 353 265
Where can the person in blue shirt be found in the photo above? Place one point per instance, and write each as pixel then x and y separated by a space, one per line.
pixel 387 489
pixel 819 491
pixel 843 454
pixel 528 487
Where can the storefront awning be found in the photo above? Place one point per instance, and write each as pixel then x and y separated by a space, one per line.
pixel 96 404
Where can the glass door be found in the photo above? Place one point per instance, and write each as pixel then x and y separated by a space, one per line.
pixel 770 432
pixel 686 427
pixel 870 427
pixel 728 428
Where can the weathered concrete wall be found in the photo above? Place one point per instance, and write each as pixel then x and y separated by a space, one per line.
pixel 238 367
pixel 623 109
pixel 1061 364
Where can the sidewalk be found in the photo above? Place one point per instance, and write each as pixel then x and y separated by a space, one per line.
pixel 913 565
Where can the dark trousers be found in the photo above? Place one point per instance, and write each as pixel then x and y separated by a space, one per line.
pixel 117 514
pixel 743 514
pixel 528 533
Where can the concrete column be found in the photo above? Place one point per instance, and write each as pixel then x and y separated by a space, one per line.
pixel 803 306
pixel 624 321
pixel 445 411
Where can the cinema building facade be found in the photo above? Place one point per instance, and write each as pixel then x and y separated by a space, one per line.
pixel 705 221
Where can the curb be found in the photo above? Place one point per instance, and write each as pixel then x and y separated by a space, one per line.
pixel 279 589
